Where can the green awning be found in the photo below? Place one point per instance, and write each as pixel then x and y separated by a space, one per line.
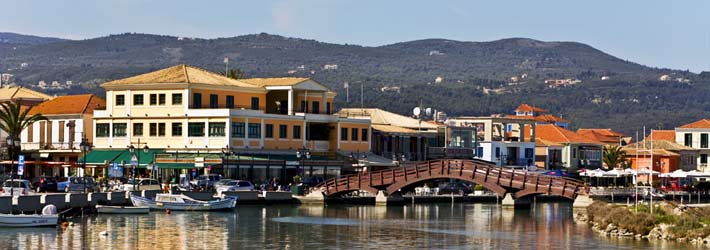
pixel 175 165
pixel 143 158
pixel 101 157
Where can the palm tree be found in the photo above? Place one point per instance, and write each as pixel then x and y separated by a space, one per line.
pixel 614 156
pixel 13 119
pixel 235 74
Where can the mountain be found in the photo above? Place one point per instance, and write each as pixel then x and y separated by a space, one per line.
pixel 460 78
pixel 14 38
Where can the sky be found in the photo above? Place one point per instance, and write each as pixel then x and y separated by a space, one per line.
pixel 666 34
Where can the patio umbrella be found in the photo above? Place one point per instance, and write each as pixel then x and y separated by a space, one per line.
pixel 678 174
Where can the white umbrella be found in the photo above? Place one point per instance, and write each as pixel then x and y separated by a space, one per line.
pixel 647 171
pixel 597 173
pixel 677 174
pixel 630 171
pixel 695 173
pixel 615 173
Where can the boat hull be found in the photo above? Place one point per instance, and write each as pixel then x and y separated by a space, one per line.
pixel 121 210
pixel 9 220
pixel 227 203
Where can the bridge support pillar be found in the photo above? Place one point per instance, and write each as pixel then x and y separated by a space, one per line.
pixel 382 199
pixel 314 197
pixel 582 201
pixel 510 202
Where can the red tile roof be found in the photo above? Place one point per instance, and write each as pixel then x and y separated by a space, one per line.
pixel 704 123
pixel 605 135
pixel 668 135
pixel 540 118
pixel 71 104
pixel 557 134
pixel 527 108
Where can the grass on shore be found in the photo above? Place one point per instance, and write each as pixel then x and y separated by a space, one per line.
pixel 692 223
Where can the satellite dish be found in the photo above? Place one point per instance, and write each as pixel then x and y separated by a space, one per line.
pixel 417 111
pixel 427 111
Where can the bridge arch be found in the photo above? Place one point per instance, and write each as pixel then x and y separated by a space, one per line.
pixel 487 174
pixel 395 187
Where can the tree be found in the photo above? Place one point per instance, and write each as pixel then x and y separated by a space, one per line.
pixel 613 156
pixel 14 117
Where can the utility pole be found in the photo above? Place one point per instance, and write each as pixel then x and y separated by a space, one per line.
pixel 226 66
pixel 362 94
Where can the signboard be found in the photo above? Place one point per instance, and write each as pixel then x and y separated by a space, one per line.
pixel 134 160
pixel 115 171
pixel 200 162
pixel 21 165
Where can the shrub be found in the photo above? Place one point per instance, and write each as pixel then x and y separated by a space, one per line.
pixel 478 188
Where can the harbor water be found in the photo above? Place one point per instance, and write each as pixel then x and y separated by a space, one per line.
pixel 419 226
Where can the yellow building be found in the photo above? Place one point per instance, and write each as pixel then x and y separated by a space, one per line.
pixel 184 109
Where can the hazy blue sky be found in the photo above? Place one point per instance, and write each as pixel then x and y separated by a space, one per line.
pixel 673 34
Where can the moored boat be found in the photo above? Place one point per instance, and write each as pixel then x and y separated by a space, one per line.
pixel 121 209
pixel 180 202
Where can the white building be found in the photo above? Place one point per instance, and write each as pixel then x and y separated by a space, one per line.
pixel 496 139
pixel 696 135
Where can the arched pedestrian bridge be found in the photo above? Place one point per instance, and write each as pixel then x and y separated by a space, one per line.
pixel 499 180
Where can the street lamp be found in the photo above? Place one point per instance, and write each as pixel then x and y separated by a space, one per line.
pixel 302 155
pixel 132 150
pixel 12 143
pixel 85 147
pixel 226 152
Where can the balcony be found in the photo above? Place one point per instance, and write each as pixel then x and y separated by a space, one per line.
pixel 66 146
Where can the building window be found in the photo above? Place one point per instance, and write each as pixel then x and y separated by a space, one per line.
pixel 161 129
pixel 119 129
pixel 196 100
pixel 574 152
pixel 137 129
pixel 102 130
pixel 177 129
pixel 238 130
pixel 364 135
pixel 216 129
pixel 296 132
pixel 177 99
pixel 529 153
pixel 120 100
pixel 343 134
pixel 316 107
pixel 269 133
pixel 704 140
pixel 354 134
pixel 153 129
pixel 196 129
pixel 161 99
pixel 230 101
pixel 327 108
pixel 479 152
pixel 688 140
pixel 214 101
pixel 255 103
pixel 153 99
pixel 254 130
pixel 283 131
pixel 138 99
pixel 303 106
pixel 703 158
pixel 497 152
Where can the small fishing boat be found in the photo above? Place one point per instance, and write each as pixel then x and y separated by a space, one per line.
pixel 48 218
pixel 121 210
pixel 180 202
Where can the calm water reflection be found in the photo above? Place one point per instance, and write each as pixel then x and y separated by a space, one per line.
pixel 426 226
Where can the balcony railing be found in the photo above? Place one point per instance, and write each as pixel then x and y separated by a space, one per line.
pixel 50 146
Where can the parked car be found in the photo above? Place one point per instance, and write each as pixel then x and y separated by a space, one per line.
pixel 455 188
pixel 78 184
pixel 142 184
pixel 206 181
pixel 234 185
pixel 16 187
pixel 44 184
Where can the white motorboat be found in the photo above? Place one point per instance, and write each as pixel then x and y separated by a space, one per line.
pixel 180 202
pixel 48 218
pixel 121 209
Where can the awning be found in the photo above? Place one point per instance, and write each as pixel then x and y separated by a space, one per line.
pixel 101 157
pixel 143 158
pixel 175 165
